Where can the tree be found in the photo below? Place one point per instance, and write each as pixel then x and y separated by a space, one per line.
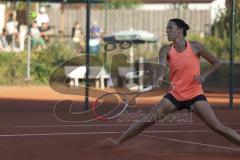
pixel 222 28
pixel 222 25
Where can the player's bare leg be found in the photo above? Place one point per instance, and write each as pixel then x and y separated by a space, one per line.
pixel 157 113
pixel 205 112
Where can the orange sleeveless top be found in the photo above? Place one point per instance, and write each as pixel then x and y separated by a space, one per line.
pixel 183 67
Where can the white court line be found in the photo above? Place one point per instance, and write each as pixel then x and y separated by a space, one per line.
pixel 55 134
pixel 95 133
pixel 109 125
pixel 190 142
pixel 90 125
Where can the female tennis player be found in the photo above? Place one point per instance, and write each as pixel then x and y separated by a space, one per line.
pixel 183 58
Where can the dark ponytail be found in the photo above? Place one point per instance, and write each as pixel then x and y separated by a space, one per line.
pixel 181 24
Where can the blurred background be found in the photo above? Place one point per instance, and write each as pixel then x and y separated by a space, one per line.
pixel 32 48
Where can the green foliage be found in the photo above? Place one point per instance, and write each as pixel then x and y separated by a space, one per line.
pixel 222 29
pixel 44 61
pixel 21 6
pixel 13 66
pixel 195 37
pixel 217 46
pixel 222 24
pixel 116 4
pixel 237 46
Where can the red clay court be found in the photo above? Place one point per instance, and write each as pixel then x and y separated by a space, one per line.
pixel 30 131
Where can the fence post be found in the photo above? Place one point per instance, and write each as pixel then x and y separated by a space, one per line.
pixel 231 90
pixel 87 55
pixel 28 43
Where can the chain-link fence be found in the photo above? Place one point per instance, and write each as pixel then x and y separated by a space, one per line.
pixel 32 48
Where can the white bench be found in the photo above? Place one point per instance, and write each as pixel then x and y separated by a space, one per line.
pixel 75 73
pixel 79 72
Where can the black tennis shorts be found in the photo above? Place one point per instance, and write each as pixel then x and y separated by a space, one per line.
pixel 184 104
